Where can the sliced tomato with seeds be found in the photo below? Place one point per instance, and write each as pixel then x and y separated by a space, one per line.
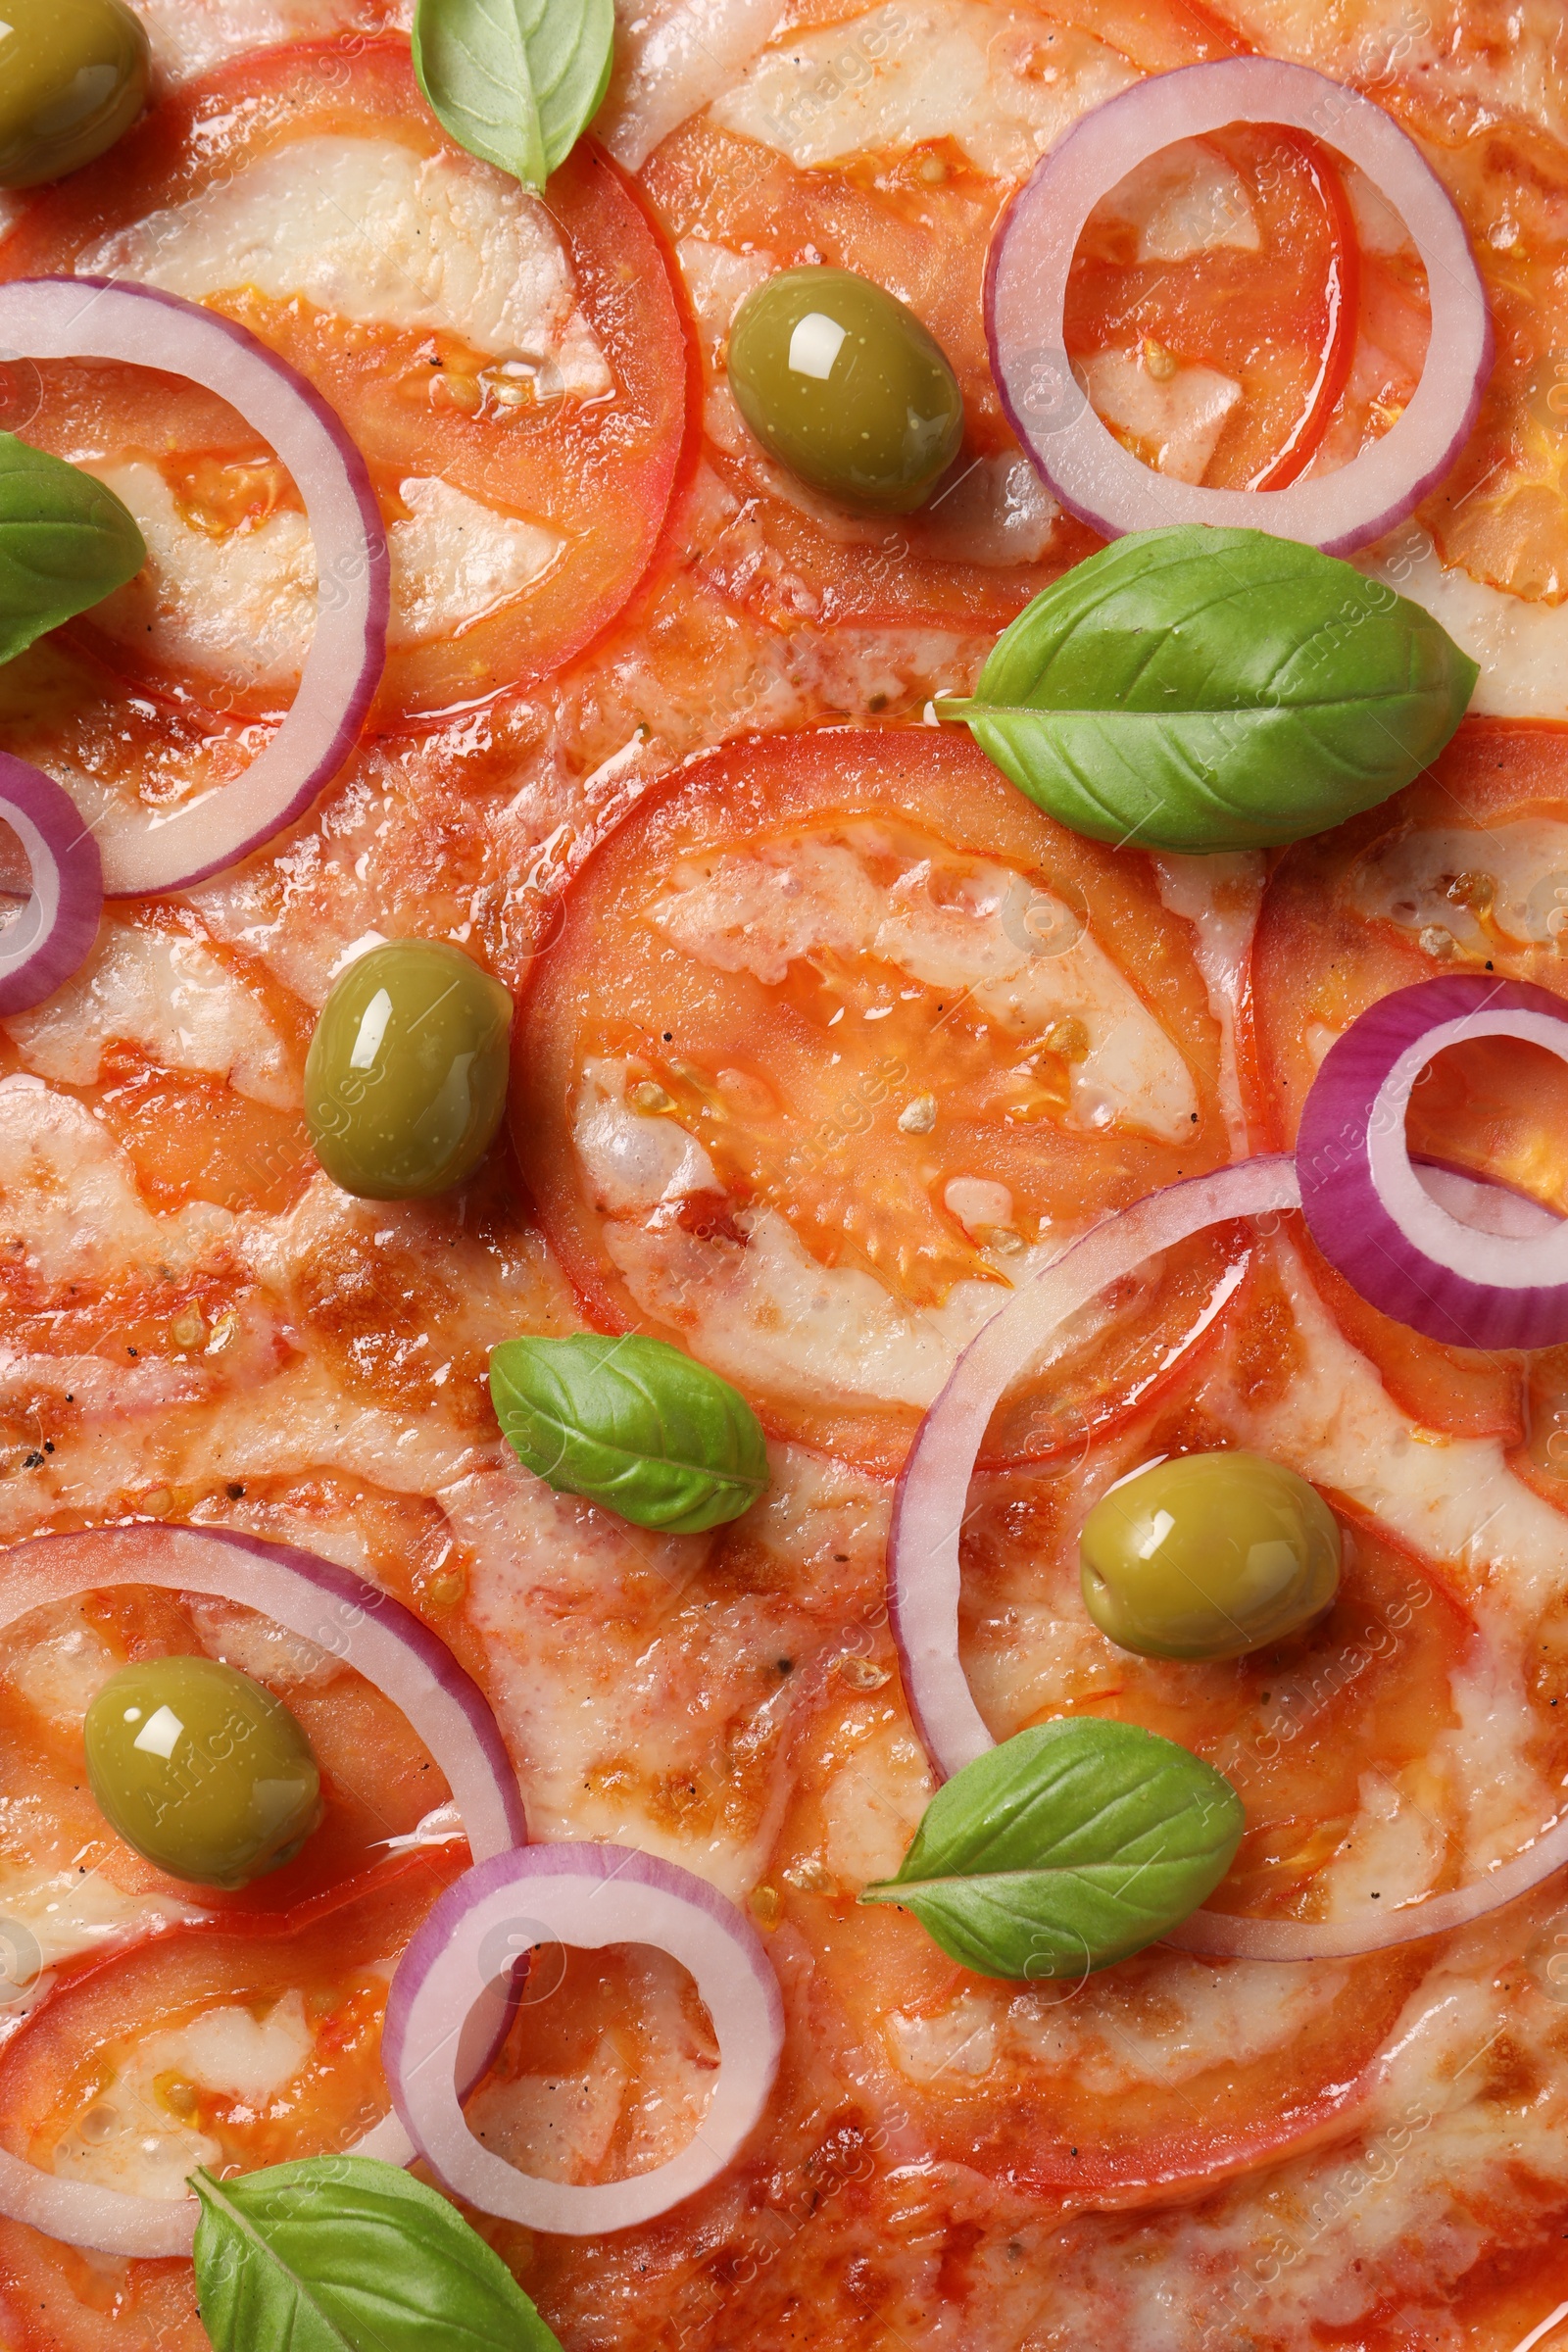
pixel 1467 870
pixel 838 1038
pixel 514 369
pixel 918 223
pixel 1235 319
pixel 214 2049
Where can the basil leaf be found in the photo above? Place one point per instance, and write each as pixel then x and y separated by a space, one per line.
pixel 515 81
pixel 343 2254
pixel 1066 1848
pixel 1202 688
pixel 66 543
pixel 632 1423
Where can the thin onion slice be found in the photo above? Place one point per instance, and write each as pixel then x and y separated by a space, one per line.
pixel 368 1630
pixel 1225 1937
pixel 1405 1239
pixel 54 934
pixel 99 319
pixel 589 1897
pixel 1026 293
pixel 932 1499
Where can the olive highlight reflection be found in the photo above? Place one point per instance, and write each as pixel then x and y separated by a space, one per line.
pixel 202 1770
pixel 74 76
pixel 1208 1555
pixel 841 383
pixel 406 1078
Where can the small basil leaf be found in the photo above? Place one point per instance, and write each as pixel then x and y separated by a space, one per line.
pixel 66 543
pixel 632 1423
pixel 342 2254
pixel 515 81
pixel 1066 1848
pixel 1202 688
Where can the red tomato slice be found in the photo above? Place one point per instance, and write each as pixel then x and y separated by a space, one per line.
pixel 840 1034
pixel 520 458
pixel 1462 872
pixel 1240 254
pixel 920 228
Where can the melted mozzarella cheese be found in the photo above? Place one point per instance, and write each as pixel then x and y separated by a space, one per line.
pixel 455 559
pixel 131 2137
pixel 47 1917
pixel 1004 86
pixel 170 995
pixel 1220 898
pixel 191 37
pixel 760 911
pixel 671 56
pixel 1521 648
pixel 1407 880
pixel 1455 1502
pixel 1186 200
pixel 68 1205
pixel 871 1807
pixel 243 604
pixel 369 230
pixel 1206 2017
pixel 1178 418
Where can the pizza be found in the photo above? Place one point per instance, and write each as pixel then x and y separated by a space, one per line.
pixel 783 1271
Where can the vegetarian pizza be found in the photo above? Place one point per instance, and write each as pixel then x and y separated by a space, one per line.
pixel 783 1175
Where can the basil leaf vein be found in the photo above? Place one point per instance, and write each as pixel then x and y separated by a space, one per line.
pixel 1067 1847
pixel 632 1423
pixel 66 543
pixel 1203 690
pixel 344 2254
pixel 514 82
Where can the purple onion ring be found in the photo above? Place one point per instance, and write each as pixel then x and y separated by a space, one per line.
pixel 1026 290
pixel 1371 1213
pixel 370 1632
pixel 54 934
pixel 588 1897
pixel 102 319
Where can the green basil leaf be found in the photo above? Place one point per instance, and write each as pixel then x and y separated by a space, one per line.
pixel 66 543
pixel 1066 1848
pixel 632 1423
pixel 1202 688
pixel 342 2254
pixel 515 81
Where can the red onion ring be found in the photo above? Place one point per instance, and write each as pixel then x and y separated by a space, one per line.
pixel 1026 286
pixel 932 1498
pixel 370 1632
pixel 587 1895
pixel 1498 1283
pixel 101 318
pixel 1225 1937
pixel 54 934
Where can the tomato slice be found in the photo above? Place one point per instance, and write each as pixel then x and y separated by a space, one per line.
pixel 1219 298
pixel 1065 2089
pixel 1467 870
pixel 838 1037
pixel 514 369
pixel 919 223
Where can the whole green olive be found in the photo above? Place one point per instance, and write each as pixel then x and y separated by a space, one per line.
pixel 406 1078
pixel 1208 1556
pixel 201 1770
pixel 74 76
pixel 841 383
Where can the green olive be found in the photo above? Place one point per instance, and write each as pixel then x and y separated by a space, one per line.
pixel 406 1078
pixel 73 78
pixel 841 383
pixel 1208 1556
pixel 201 1770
